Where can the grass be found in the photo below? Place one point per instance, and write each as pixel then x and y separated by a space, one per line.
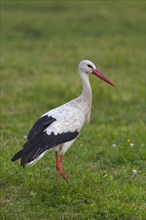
pixel 42 43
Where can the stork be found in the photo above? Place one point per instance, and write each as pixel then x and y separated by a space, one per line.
pixel 57 129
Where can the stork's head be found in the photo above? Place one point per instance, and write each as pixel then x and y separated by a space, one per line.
pixel 87 67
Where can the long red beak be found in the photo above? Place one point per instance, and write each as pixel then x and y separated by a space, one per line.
pixel 102 76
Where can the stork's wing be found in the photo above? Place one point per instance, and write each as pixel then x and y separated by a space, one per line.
pixel 40 125
pixel 54 128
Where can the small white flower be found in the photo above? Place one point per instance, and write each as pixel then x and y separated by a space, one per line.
pixel 134 171
pixel 25 136
pixel 131 144
pixel 114 145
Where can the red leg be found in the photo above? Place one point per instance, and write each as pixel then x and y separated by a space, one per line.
pixel 59 168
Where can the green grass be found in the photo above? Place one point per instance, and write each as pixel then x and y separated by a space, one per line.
pixel 42 43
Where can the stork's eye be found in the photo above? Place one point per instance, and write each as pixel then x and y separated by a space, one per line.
pixel 90 66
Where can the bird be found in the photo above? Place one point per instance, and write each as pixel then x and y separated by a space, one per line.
pixel 57 129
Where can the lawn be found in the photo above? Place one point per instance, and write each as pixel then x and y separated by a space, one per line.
pixel 42 43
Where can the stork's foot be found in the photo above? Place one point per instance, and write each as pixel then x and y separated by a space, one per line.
pixel 59 169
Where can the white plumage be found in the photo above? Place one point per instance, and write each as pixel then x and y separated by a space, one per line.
pixel 67 119
pixel 57 129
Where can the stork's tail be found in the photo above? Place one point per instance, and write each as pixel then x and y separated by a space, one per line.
pixel 28 157
pixel 17 156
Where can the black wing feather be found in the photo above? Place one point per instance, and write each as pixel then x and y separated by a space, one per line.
pixel 39 141
pixel 40 125
pixel 44 142
pixel 17 156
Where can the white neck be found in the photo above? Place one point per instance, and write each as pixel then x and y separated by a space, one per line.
pixel 86 94
pixel 86 91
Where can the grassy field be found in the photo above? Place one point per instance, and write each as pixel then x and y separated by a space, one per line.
pixel 42 43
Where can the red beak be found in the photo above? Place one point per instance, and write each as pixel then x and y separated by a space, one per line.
pixel 102 76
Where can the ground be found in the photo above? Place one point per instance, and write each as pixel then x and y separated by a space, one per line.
pixel 42 43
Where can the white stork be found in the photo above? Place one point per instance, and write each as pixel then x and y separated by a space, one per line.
pixel 57 129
